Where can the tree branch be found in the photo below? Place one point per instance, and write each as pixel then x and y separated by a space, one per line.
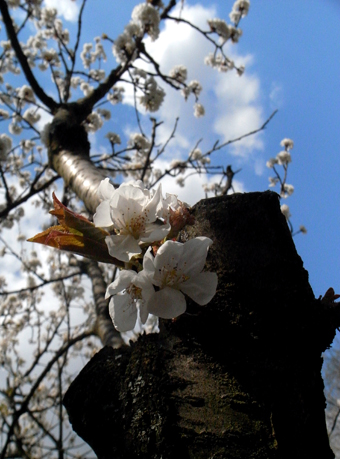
pixel 12 36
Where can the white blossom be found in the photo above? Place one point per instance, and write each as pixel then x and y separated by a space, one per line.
pixel 26 93
pixel 113 138
pixel 221 63
pixel 50 56
pixel 99 52
pixel 285 210
pixel 271 162
pixel 97 74
pixel 153 95
pixel 124 47
pixel 240 70
pixel 48 16
pixel 177 270
pixel 179 73
pixel 240 10
pixel 27 145
pixel 129 293
pixel 196 154
pixel 283 158
pixel 235 34
pixel 31 116
pixel 116 96
pixel 93 122
pixel 288 144
pixel 199 110
pixel 220 27
pixel 148 18
pixel 86 88
pixel 134 213
pixel 288 190
pixel 273 181
pixel 159 289
pixel 139 142
pixel 75 82
pixel 86 56
pixel 194 87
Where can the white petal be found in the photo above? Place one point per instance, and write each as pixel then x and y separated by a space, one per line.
pixel 122 246
pixel 148 264
pixel 167 303
pixel 122 209
pixel 201 288
pixel 105 190
pixel 123 312
pixel 102 217
pixel 155 205
pixel 125 278
pixel 155 232
pixel 169 255
pixel 194 255
pixel 133 193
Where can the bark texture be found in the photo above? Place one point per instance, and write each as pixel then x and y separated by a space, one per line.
pixel 238 378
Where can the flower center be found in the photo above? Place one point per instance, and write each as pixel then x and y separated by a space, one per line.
pixel 134 224
pixel 134 292
pixel 172 277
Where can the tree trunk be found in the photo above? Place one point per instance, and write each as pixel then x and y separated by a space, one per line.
pixel 69 156
pixel 238 378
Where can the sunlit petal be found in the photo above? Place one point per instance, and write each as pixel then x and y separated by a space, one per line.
pixel 102 217
pixel 105 190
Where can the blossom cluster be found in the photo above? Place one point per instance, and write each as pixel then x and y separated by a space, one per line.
pixel 226 32
pixel 159 270
pixel 145 20
pixel 283 158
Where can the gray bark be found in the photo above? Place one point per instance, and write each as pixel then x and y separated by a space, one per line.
pixel 238 378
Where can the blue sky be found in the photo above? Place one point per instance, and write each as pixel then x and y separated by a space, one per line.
pixel 291 51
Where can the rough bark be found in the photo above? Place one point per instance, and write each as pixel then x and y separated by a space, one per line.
pixel 238 378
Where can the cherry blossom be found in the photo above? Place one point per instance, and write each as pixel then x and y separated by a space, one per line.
pixel 128 294
pixel 160 287
pixel 135 215
pixel 177 270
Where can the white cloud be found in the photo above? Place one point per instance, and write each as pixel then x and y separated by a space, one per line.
pixel 276 95
pixel 67 8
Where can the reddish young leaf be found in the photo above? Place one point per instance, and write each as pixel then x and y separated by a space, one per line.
pixel 75 234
